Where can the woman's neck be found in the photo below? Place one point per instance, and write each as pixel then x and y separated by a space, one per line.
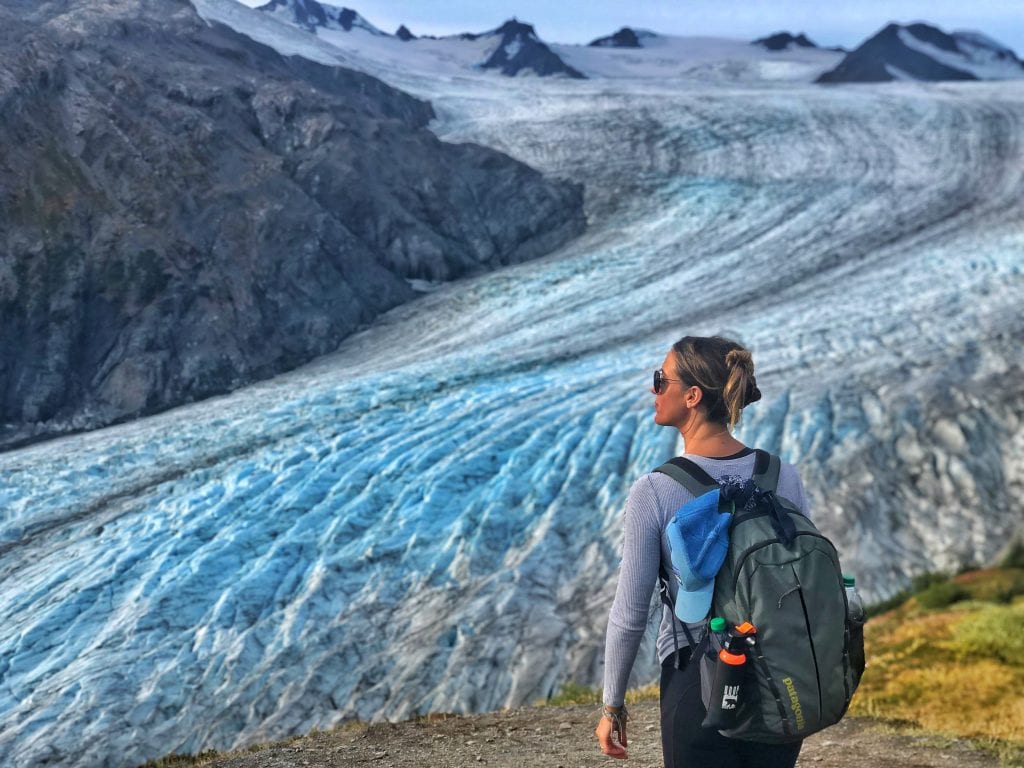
pixel 710 439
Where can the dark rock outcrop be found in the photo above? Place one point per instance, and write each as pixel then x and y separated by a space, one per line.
pixel 186 211
pixel 876 58
pixel 624 38
pixel 311 14
pixel 404 34
pixel 520 50
pixel 780 41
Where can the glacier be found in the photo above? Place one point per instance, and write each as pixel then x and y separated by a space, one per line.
pixel 429 519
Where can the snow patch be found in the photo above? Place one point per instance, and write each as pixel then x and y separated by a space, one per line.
pixel 982 63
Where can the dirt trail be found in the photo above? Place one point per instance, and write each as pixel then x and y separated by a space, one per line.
pixel 562 737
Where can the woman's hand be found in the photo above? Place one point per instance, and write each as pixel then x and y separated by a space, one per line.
pixel 611 732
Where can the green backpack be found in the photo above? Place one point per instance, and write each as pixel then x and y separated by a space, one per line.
pixel 783 576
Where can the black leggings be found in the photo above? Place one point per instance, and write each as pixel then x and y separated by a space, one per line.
pixel 687 745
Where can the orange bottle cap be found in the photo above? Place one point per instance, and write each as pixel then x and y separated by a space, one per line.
pixel 736 659
pixel 746 628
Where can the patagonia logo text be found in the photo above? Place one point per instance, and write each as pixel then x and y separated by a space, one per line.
pixel 794 702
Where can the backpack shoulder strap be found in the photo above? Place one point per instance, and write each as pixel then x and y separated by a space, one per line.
pixel 698 482
pixel 766 470
pixel 689 475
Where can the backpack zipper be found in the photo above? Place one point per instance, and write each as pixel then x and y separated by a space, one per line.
pixel 750 550
pixel 810 640
pixel 742 518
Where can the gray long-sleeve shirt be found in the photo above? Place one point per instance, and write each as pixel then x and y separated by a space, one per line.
pixel 653 501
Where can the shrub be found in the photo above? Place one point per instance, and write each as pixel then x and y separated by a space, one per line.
pixel 923 581
pixel 942 594
pixel 1007 594
pixel 920 584
pixel 992 632
pixel 1000 585
pixel 1015 557
pixel 893 601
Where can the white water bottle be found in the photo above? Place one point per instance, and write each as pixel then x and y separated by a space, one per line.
pixel 854 605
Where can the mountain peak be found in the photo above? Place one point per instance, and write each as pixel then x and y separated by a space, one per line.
pixel 780 41
pixel 521 51
pixel 921 51
pixel 624 38
pixel 515 27
pixel 312 15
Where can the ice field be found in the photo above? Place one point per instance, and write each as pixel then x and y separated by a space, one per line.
pixel 428 520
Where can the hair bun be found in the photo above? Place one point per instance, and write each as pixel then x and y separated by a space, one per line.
pixel 740 358
pixel 753 393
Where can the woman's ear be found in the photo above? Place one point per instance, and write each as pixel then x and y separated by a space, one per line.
pixel 693 396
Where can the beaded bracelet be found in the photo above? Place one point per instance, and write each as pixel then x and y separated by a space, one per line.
pixel 618 715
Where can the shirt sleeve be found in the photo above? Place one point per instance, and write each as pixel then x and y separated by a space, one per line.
pixel 792 488
pixel 641 558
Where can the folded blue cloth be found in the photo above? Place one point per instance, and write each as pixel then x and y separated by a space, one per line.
pixel 698 538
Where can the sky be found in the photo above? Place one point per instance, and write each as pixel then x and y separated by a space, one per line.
pixel 571 21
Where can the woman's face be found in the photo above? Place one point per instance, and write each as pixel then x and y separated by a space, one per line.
pixel 673 407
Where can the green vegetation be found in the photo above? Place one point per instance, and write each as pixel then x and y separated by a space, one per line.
pixel 950 660
pixel 574 693
pixel 1015 557
pixel 942 594
pixel 919 583
pixel 176 761
pixel 995 632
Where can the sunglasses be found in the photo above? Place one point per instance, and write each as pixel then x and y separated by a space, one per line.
pixel 661 381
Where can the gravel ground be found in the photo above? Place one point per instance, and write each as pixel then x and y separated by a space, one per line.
pixel 562 737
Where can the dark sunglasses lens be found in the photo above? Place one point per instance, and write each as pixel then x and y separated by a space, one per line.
pixel 658 382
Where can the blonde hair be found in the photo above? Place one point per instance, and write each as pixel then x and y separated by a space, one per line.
pixel 724 371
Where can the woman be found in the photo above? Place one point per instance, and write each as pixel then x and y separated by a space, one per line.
pixel 703 385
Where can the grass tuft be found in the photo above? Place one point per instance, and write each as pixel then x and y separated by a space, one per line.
pixel 573 693
pixel 177 761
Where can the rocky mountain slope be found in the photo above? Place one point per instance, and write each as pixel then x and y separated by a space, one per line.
pixel 311 15
pixel 520 50
pixel 187 210
pixel 780 41
pixel 924 52
pixel 624 38
pixel 513 48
